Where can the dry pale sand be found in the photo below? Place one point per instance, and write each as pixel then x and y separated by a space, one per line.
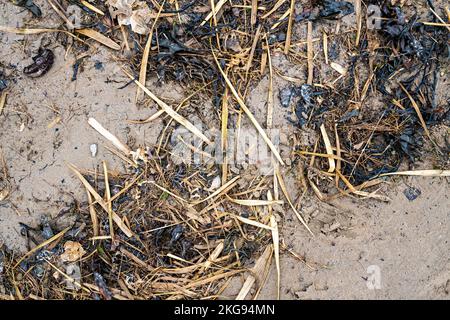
pixel 406 240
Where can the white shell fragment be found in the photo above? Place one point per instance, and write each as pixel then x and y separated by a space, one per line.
pixel 94 149
pixel 215 183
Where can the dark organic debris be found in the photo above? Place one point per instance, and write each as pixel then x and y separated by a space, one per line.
pixel 286 95
pixel 28 4
pixel 181 246
pixel 41 65
pixel 412 193
pixel 177 232
pixel 408 52
pixel 47 231
pixel 99 65
pixel 336 9
pixel 3 84
pixel 103 288
pixel 326 9
pixel 304 97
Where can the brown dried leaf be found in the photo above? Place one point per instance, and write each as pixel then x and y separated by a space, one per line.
pixel 73 251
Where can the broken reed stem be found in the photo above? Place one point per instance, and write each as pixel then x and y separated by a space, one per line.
pixel 108 199
pixel 254 14
pixel 325 47
pixel 287 46
pixel 256 273
pixel 270 101
pixel 93 214
pixel 358 21
pixel 253 49
pixel 310 53
pixel 3 101
pixel 329 148
pixel 224 140
pixel 57 7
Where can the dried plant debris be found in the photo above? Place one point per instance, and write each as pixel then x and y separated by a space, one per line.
pixel 403 64
pixel 43 61
pixel 362 104
pixel 134 13
pixel 174 252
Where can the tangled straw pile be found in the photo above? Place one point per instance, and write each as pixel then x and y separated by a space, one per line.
pixel 167 231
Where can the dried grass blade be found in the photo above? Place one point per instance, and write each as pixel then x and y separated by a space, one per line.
pixel 216 277
pixel 109 136
pixel 276 248
pixel 340 69
pixel 177 117
pixel 145 55
pixel 214 11
pixel 286 194
pixel 2 101
pixel 168 192
pixel 439 18
pixel 92 7
pixel 250 203
pixel 254 14
pixel 253 49
pixel 69 278
pixel 214 255
pixel 325 47
pixel 270 100
pixel 248 112
pixel 328 147
pixel 361 193
pixel 423 173
pixel 31 31
pixel 97 36
pixel 143 71
pixel 417 109
pixel 93 215
pixel 275 8
pixel 101 202
pixel 108 199
pixel 287 46
pixel 224 136
pixel 253 223
pixel 58 9
pixel 338 153
pixel 310 54
pixel 224 188
pixel 280 20
pixel 43 244
pixel 358 21
pixel 257 273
